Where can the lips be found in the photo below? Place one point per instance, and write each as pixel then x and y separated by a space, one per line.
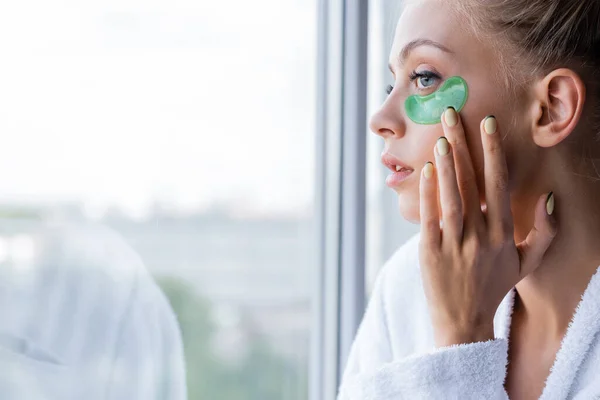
pixel 394 164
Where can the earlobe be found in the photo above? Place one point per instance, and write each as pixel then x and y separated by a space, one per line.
pixel 560 97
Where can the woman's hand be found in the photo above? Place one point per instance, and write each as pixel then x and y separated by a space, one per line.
pixel 471 262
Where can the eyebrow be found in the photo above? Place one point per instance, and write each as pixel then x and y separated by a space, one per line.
pixel 406 50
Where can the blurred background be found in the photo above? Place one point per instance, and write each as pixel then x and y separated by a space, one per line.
pixel 188 126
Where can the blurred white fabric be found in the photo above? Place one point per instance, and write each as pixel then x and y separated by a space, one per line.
pixel 83 319
pixel 394 354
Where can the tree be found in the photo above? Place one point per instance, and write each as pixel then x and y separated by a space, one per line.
pixel 262 375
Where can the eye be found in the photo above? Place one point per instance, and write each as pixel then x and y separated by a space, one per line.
pixel 425 79
pixel 388 89
pixel 424 82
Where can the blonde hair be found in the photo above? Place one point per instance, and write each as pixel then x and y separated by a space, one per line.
pixel 546 33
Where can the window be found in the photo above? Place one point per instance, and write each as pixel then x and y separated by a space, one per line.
pixel 189 128
pixel 386 229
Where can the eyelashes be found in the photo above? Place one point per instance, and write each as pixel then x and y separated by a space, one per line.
pixel 424 80
pixel 414 75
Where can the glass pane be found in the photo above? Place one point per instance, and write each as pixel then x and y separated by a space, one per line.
pixel 187 127
pixel 386 229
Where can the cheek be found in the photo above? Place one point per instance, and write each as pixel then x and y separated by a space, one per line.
pixel 512 147
pixel 483 101
pixel 419 147
pixel 425 137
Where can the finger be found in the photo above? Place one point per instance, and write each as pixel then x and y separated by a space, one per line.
pixel 497 195
pixel 532 249
pixel 467 181
pixel 450 200
pixel 429 214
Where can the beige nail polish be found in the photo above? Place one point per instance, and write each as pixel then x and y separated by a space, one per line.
pixel 490 125
pixel 550 203
pixel 450 117
pixel 428 170
pixel 442 146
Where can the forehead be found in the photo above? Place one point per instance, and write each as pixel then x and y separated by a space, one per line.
pixel 437 21
pixel 423 18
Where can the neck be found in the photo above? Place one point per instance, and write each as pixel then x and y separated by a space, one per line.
pixel 549 296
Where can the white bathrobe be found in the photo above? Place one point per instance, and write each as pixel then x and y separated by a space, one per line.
pixel 83 320
pixel 394 357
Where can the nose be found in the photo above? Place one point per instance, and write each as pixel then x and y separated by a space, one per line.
pixel 388 122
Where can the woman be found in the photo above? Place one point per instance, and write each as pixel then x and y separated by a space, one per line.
pixel 498 296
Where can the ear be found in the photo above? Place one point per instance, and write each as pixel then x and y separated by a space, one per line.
pixel 558 105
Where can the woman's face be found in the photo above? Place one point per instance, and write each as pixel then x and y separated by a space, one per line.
pixel 431 44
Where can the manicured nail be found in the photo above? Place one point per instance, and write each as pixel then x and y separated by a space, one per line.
pixel 451 117
pixel 428 170
pixel 550 203
pixel 442 146
pixel 490 125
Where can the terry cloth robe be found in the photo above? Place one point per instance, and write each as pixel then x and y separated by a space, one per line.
pixel 394 357
pixel 84 320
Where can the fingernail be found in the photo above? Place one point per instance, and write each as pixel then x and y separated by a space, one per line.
pixel 550 203
pixel 442 146
pixel 490 125
pixel 451 117
pixel 428 170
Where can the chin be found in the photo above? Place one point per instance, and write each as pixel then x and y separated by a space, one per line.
pixel 409 208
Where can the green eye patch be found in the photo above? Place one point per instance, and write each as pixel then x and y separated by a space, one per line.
pixel 427 110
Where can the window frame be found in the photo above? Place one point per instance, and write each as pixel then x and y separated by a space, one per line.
pixel 339 300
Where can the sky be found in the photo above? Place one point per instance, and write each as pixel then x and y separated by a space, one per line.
pixel 194 103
